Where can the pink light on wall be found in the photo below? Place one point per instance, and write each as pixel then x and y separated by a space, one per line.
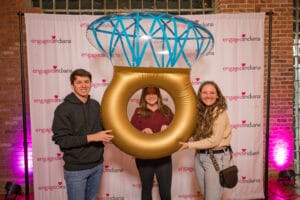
pixel 21 162
pixel 281 149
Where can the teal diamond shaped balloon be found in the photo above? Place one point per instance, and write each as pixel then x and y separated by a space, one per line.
pixel 150 39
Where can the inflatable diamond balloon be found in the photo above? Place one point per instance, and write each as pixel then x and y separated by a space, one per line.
pixel 149 39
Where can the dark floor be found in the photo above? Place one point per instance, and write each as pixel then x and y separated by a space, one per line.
pixel 276 191
pixel 282 191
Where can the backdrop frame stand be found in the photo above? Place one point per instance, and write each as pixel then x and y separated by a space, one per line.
pixel 23 86
pixel 266 174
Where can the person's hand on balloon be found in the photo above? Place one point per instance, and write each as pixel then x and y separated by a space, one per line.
pixel 147 131
pixel 163 127
pixel 184 145
pixel 101 136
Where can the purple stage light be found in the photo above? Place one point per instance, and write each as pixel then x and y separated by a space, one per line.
pixel 281 149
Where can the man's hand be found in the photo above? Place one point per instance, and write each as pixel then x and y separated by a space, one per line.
pixel 100 136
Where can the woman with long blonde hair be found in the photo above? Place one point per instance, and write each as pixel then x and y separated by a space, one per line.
pixel 213 134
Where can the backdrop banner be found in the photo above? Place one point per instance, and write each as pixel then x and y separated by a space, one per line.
pixel 57 44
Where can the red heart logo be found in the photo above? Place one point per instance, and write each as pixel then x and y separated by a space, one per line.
pixel 53 36
pixel 243 150
pixel 58 154
pixel 197 79
pixel 59 182
pixel 55 96
pixel 103 80
pixel 107 194
pixel 243 121
pixel 243 177
pixel 243 93
pixel 243 35
pixel 106 166
pixel 243 64
pixel 54 67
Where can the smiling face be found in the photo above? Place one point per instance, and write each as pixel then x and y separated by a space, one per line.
pixel 208 94
pixel 82 87
pixel 151 97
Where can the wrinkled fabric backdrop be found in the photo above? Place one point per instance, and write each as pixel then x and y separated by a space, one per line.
pixel 57 44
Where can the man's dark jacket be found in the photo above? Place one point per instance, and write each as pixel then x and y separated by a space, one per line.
pixel 73 121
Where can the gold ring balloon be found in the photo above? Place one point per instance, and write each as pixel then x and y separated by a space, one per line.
pixel 126 81
pixel 149 39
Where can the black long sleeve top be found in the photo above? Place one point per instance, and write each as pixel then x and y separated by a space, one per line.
pixel 73 121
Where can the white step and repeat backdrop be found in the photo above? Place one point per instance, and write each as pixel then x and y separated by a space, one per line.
pixel 57 44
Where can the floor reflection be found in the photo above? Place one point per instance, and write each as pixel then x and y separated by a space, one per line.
pixel 283 191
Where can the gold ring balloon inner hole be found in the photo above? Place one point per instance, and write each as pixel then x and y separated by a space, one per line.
pixel 125 82
pixel 134 101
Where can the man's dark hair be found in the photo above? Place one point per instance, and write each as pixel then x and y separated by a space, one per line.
pixel 80 72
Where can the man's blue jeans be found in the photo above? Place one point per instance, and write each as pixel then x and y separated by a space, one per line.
pixel 83 184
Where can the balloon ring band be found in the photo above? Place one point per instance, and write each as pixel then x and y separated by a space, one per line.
pixel 126 81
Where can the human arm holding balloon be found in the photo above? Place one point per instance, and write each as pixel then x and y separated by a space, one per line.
pixel 101 136
pixel 221 136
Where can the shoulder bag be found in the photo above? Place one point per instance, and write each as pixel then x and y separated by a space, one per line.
pixel 228 176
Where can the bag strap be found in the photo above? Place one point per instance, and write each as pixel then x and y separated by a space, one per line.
pixel 214 161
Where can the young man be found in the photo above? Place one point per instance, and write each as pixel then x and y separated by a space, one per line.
pixel 78 131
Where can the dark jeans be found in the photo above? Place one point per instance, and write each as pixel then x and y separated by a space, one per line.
pixel 162 168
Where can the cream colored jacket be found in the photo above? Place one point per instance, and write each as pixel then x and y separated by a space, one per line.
pixel 221 135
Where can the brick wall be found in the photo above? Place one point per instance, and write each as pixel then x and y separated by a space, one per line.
pixel 11 115
pixel 282 72
pixel 11 132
